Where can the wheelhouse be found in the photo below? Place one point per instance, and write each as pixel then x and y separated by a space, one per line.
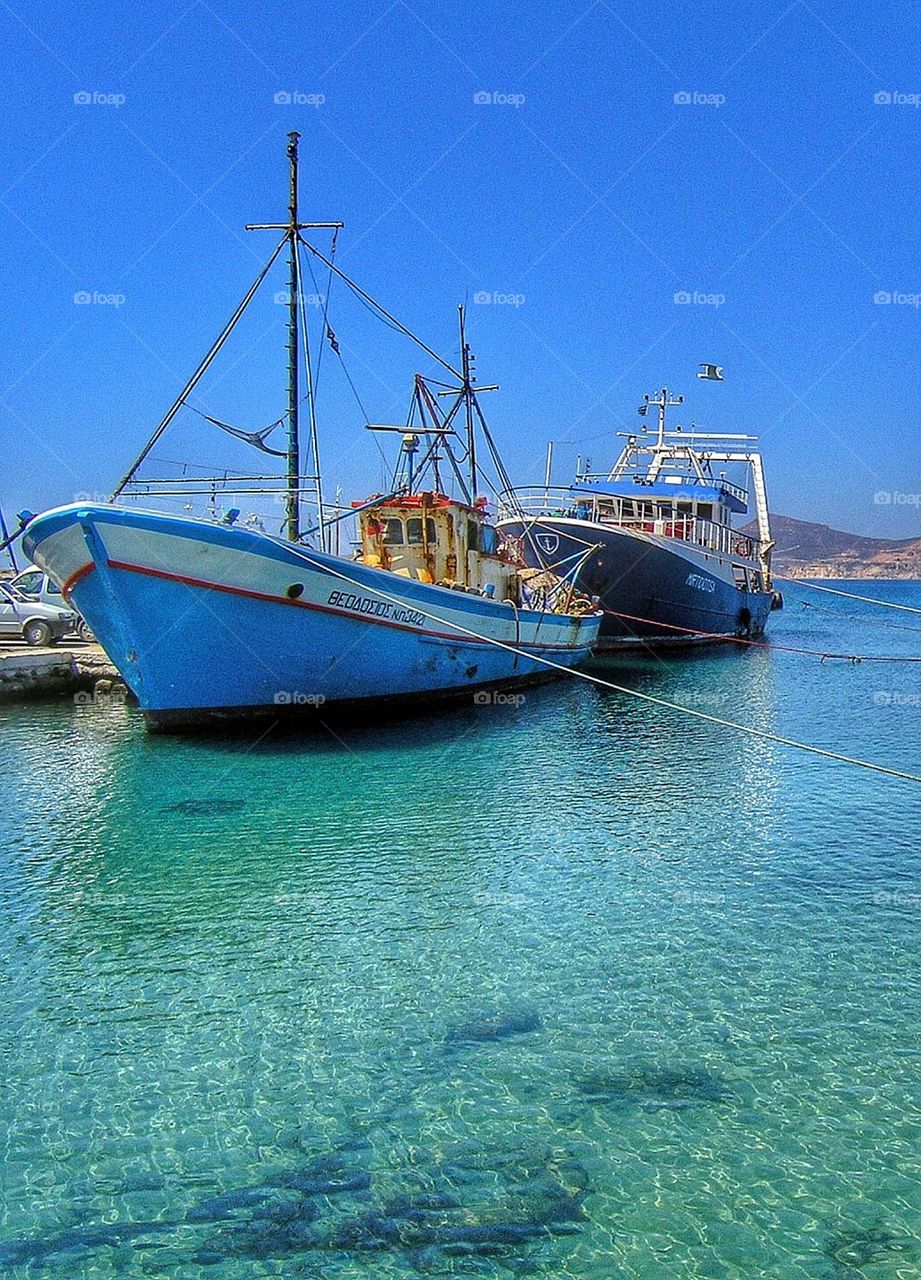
pixel 434 538
pixel 692 511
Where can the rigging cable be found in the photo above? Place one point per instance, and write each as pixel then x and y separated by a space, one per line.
pixel 379 309
pixel 850 617
pixel 761 644
pixel 201 370
pixel 311 392
pixel 326 328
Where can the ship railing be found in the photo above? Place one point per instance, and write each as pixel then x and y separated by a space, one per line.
pixel 537 500
pixel 560 502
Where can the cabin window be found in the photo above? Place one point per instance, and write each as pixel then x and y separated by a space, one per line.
pixel 473 541
pixel 414 530
pixel 740 576
pixel 705 510
pixel 393 533
pixel 489 541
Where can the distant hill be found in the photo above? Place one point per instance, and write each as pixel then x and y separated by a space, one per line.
pixel 806 550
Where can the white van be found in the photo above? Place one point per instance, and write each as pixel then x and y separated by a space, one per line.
pixel 35 584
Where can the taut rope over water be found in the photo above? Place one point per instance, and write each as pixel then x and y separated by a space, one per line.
pixel 764 734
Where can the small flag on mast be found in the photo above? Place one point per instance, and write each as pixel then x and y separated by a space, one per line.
pixel 712 372
pixel 331 338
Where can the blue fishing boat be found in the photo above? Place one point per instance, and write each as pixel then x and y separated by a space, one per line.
pixel 663 551
pixel 211 619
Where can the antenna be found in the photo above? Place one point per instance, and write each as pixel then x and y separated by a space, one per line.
pixel 662 402
pixel 467 383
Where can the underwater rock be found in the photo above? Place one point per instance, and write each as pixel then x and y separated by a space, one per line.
pixel 260 1240
pixel 226 1205
pixel 440 1213
pixel 854 1248
pixel 15 1252
pixel 329 1173
pixel 654 1088
pixel 308 1183
pixel 274 1214
pixel 489 1027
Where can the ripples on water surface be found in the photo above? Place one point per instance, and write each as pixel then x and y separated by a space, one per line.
pixel 578 989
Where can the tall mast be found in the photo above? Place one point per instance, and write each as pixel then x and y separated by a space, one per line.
pixel 292 229
pixel 292 494
pixel 468 404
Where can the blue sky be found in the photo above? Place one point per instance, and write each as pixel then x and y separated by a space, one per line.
pixel 782 197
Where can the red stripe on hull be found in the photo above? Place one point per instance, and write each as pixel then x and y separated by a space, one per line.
pixel 459 637
pixel 75 578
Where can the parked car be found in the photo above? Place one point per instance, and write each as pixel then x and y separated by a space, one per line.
pixel 37 623
pixel 33 583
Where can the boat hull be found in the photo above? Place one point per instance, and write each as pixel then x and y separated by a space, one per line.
pixel 655 591
pixel 210 622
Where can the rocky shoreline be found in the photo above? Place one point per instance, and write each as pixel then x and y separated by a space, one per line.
pixel 27 674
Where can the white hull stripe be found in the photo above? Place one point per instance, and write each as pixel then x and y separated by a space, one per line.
pixel 246 592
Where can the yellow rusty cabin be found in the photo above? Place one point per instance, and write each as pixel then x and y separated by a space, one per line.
pixel 433 538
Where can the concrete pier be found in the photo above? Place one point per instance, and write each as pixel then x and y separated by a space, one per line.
pixel 27 673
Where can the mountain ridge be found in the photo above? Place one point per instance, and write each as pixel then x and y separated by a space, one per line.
pixel 806 549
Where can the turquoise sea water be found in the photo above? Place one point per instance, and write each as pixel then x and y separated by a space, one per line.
pixel 580 988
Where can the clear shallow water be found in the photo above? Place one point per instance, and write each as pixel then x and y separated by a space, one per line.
pixel 576 989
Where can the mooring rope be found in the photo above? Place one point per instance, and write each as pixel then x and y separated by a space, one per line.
pixel 763 644
pixel 850 617
pixel 764 734
pixel 850 595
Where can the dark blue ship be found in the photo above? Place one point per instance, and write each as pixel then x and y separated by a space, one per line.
pixel 668 561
